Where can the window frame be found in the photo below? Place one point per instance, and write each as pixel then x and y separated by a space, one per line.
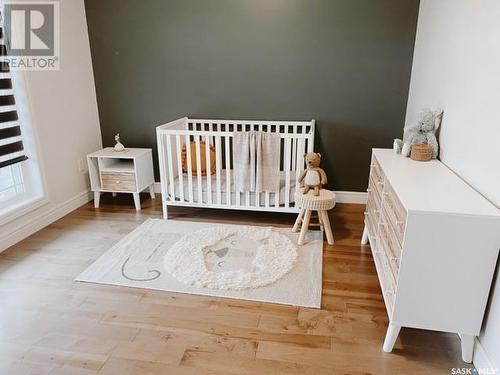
pixel 35 186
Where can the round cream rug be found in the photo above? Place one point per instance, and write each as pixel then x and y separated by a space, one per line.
pixel 231 257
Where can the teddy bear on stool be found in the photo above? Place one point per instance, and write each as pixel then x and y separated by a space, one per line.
pixel 314 177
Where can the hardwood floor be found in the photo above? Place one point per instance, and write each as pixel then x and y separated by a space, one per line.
pixel 50 324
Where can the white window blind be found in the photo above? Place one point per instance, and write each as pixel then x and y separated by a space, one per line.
pixel 11 143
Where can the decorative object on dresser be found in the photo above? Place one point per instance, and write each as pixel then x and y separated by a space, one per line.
pixel 309 202
pixel 421 152
pixel 423 132
pixel 127 171
pixel 435 244
pixel 218 190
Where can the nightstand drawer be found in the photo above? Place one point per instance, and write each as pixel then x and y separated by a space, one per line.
pixel 118 181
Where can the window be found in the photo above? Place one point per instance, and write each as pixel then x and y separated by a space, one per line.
pixel 11 182
pixel 21 185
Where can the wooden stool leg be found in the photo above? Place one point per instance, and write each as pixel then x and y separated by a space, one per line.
pixel 328 228
pixel 321 224
pixel 296 226
pixel 305 227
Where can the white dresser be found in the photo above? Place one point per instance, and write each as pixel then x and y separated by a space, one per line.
pixel 435 244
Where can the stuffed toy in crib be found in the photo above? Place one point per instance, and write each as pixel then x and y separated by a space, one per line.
pixel 313 177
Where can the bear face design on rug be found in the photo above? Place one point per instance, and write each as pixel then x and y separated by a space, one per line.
pixel 233 253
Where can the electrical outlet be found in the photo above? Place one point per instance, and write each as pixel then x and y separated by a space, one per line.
pixel 82 165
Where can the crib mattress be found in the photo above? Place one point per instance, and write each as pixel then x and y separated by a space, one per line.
pixel 213 179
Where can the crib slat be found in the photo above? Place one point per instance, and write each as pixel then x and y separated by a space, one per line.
pixel 299 162
pixel 218 166
pixel 179 167
pixel 161 160
pixel 287 155
pixel 198 168
pixel 277 192
pixel 209 171
pixel 189 168
pixel 228 170
pixel 170 168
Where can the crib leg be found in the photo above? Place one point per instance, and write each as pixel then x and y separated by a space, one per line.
pixel 298 221
pixel 165 211
pixel 152 191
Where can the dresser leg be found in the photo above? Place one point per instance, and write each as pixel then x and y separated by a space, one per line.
pixel 137 201
pixel 305 227
pixel 152 191
pixel 97 198
pixel 391 336
pixel 467 347
pixel 364 238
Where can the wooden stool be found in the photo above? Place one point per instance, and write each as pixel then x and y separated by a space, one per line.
pixel 307 203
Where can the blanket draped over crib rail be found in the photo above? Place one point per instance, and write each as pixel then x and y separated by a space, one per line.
pixel 256 157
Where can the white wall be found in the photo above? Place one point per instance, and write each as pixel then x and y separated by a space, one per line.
pixel 456 67
pixel 65 117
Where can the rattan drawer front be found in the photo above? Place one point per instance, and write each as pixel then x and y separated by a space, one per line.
pixel 391 265
pixel 388 280
pixel 375 193
pixel 395 211
pixel 372 223
pixel 376 171
pixel 118 181
pixel 391 239
pixel 372 214
pixel 389 248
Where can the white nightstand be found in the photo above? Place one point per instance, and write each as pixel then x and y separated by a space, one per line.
pixel 129 171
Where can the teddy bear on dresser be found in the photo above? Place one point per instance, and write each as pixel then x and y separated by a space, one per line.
pixel 313 176
pixel 423 132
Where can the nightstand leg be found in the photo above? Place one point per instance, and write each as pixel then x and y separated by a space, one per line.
pixel 97 198
pixel 137 201
pixel 391 336
pixel 467 347
pixel 152 191
pixel 364 238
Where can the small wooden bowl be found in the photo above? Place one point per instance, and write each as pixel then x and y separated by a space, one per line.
pixel 421 152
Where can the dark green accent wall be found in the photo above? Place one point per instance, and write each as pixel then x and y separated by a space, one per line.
pixel 345 63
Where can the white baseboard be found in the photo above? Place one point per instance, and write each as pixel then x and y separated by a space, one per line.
pixel 342 196
pixel 33 222
pixel 482 362
pixel 351 197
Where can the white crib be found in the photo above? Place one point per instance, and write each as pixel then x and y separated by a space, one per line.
pixel 216 190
